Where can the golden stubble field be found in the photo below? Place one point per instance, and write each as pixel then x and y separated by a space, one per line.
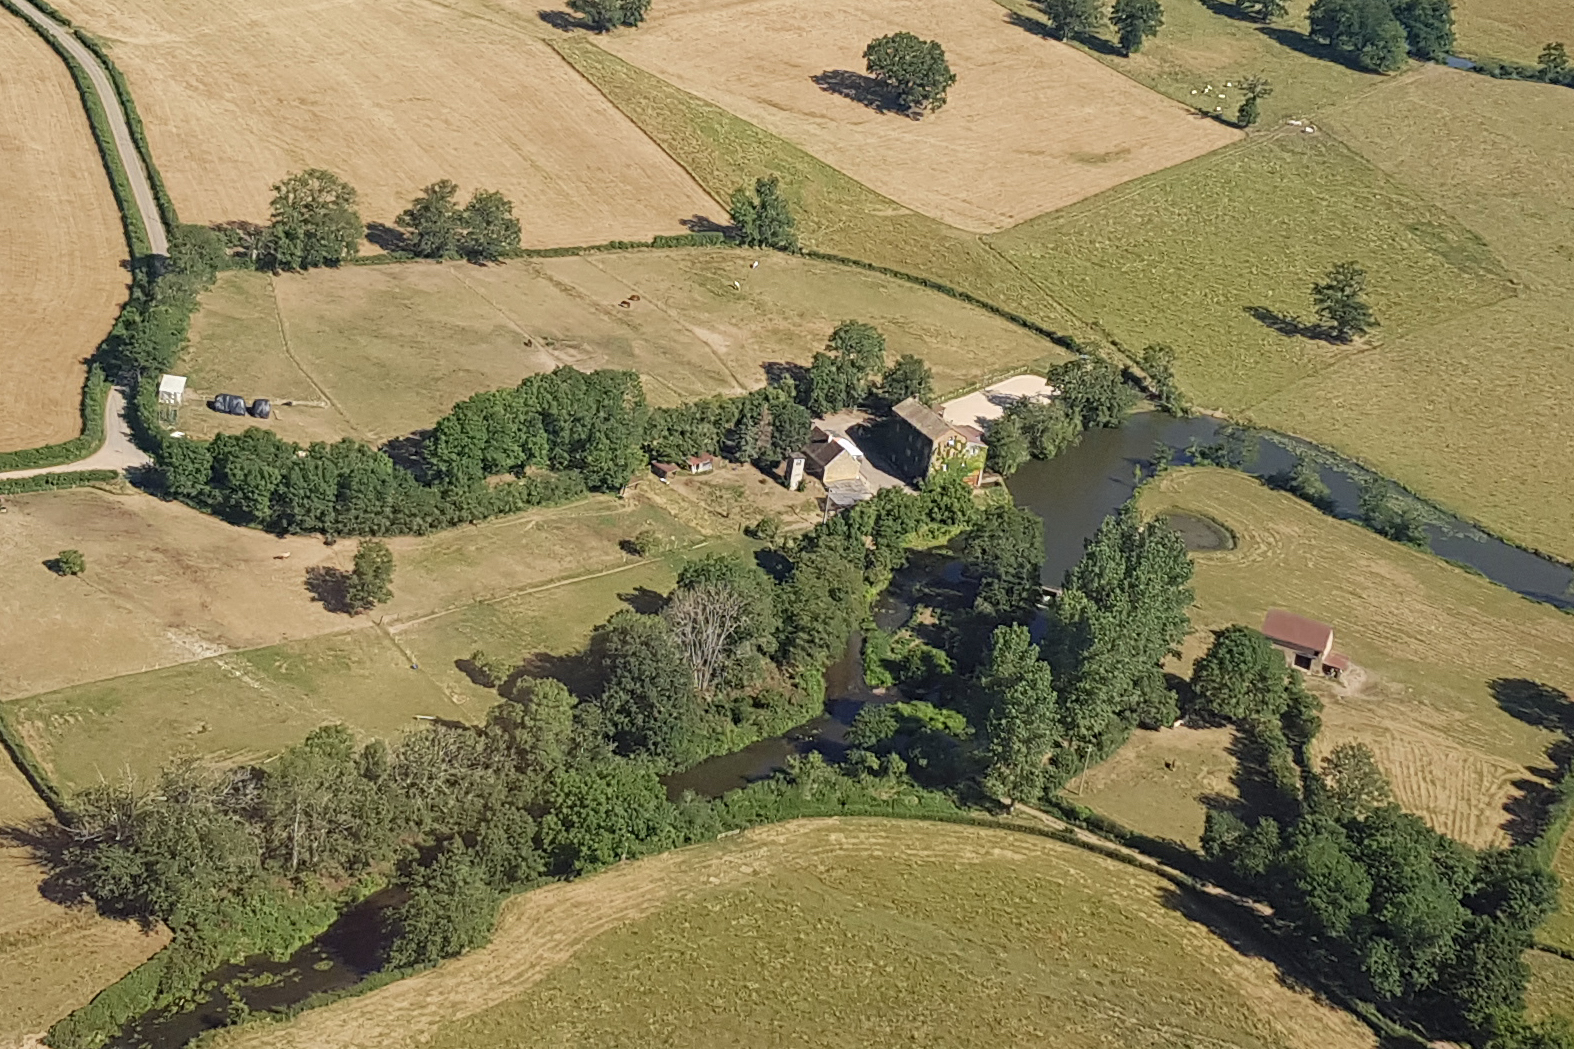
pixel 1430 639
pixel 53 958
pixel 1031 124
pixel 388 349
pixel 62 248
pixel 391 95
pixel 817 932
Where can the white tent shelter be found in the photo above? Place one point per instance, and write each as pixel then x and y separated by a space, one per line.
pixel 171 388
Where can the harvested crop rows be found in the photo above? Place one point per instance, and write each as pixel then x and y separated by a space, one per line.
pixel 61 253
pixel 815 932
pixel 391 96
pixel 1031 124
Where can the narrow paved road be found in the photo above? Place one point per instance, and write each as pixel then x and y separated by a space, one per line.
pixel 141 188
pixel 118 451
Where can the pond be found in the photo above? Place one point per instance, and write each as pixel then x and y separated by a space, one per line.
pixel 1075 491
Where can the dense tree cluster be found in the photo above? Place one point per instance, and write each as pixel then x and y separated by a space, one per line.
pixel 762 219
pixel 313 221
pixel 1379 33
pixel 1388 908
pixel 914 70
pixel 840 375
pixel 1121 613
pixel 436 227
pixel 1135 21
pixel 1073 18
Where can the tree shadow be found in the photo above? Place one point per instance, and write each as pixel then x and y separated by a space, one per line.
pixel 706 224
pixel 1304 44
pixel 1037 26
pixel 1546 707
pixel 1534 703
pixel 578 671
pixel 1253 934
pixel 329 587
pixel 776 371
pixel 1228 10
pixel 865 90
pixel 1288 324
pixel 48 846
pixel 562 21
pixel 1101 46
pixel 409 453
pixel 644 600
pixel 388 238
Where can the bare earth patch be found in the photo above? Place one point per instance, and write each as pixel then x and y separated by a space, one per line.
pixel 62 245
pixel 1031 124
pixel 391 95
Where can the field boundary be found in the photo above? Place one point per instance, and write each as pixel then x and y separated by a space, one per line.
pixel 28 765
pixel 49 482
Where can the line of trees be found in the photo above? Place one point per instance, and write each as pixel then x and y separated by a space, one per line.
pixel 559 434
pixel 1384 907
pixel 1135 21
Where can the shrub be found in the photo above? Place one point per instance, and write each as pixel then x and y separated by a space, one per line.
pixel 370 579
pixel 69 562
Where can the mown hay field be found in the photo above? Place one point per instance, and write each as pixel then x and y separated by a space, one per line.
pixel 1439 650
pixel 391 95
pixel 1471 407
pixel 1031 125
pixel 61 256
pixel 53 958
pixel 1513 29
pixel 195 638
pixel 388 349
pixel 821 932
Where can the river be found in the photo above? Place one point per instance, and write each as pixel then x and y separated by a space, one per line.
pixel 1078 489
pixel 1073 493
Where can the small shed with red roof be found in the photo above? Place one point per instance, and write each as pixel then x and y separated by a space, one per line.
pixel 1307 644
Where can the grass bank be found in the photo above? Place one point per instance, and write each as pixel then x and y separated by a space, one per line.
pixel 735 942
